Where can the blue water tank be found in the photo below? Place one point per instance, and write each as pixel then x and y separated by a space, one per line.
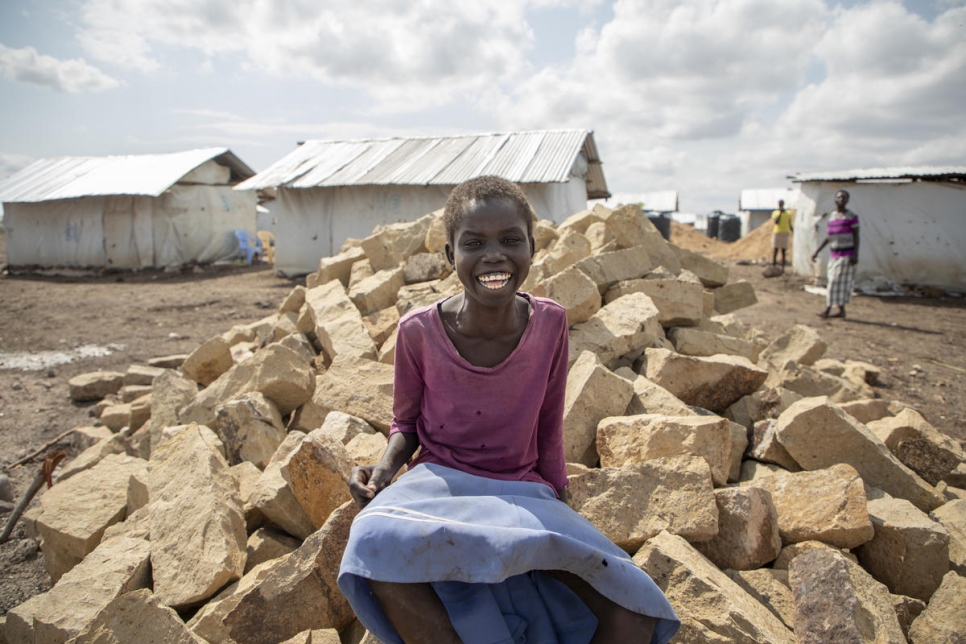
pixel 712 230
pixel 662 222
pixel 729 228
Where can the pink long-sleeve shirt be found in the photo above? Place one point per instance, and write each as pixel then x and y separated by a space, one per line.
pixel 503 422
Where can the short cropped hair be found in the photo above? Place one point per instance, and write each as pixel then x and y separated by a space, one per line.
pixel 481 189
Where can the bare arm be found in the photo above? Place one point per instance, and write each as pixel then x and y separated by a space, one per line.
pixel 366 481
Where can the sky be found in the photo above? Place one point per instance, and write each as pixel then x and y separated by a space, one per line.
pixel 706 97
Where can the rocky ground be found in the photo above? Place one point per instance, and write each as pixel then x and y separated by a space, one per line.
pixel 110 321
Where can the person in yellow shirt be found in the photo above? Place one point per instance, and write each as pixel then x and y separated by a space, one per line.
pixel 781 233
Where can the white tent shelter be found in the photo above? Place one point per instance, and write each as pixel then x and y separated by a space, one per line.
pixel 329 191
pixel 912 224
pixel 127 212
pixel 755 206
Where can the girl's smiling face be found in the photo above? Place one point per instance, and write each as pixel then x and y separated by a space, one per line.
pixel 491 251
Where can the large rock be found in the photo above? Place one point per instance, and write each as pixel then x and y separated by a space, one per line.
pixel 278 372
pixel 818 434
pixel 764 446
pixel 299 594
pixel 316 472
pixel 170 393
pixel 651 398
pixel 344 427
pixel 208 622
pixel 910 551
pixel 770 587
pixel 423 267
pixel 826 505
pixel 712 383
pixel 94 385
pixel 570 248
pixel 952 516
pixel 679 302
pixel 251 428
pixel 359 387
pixel 76 512
pixel 336 267
pixel 622 440
pixel 377 291
pixel 198 533
pixel 748 536
pixel 837 601
pixel 695 342
pixel 382 324
pixel 137 616
pixel 765 403
pixel 812 383
pixel 711 607
pixel 633 503
pixel 272 496
pixel 607 269
pixel 209 361
pixel 390 244
pixel 799 344
pixel 711 273
pixel 734 296
pixel 593 393
pixel 623 328
pixel 918 445
pixel 867 410
pixel 573 290
pixel 944 620
pixel 335 321
pixel 115 567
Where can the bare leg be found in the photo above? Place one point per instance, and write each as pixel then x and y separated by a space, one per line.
pixel 614 623
pixel 774 256
pixel 416 612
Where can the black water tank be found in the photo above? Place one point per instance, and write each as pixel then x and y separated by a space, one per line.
pixel 729 228
pixel 662 222
pixel 713 225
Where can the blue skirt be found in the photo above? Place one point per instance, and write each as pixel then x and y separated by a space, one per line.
pixel 482 543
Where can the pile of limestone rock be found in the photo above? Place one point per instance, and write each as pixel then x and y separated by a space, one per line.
pixel 768 491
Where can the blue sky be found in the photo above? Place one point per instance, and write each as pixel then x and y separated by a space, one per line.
pixel 706 97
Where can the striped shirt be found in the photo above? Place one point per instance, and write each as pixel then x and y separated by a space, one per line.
pixel 841 233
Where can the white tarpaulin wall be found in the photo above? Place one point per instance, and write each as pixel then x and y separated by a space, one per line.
pixel 312 223
pixel 910 233
pixel 185 224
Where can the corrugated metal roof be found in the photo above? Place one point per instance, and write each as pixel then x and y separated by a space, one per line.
pixel 902 172
pixel 145 174
pixel 767 198
pixel 523 157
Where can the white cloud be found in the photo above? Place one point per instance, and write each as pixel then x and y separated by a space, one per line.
pixel 709 96
pixel 11 163
pixel 894 83
pixel 406 54
pixel 73 76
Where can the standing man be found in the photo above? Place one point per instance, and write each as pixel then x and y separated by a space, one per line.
pixel 781 233
pixel 843 237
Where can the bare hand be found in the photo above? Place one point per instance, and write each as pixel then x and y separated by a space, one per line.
pixel 853 259
pixel 815 257
pixel 366 481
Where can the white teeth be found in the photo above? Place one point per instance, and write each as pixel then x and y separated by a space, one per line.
pixel 494 281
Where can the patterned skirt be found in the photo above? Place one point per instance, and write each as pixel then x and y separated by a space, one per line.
pixel 841 279
pixel 483 543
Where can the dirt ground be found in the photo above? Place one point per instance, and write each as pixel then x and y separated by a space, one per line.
pixel 916 342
